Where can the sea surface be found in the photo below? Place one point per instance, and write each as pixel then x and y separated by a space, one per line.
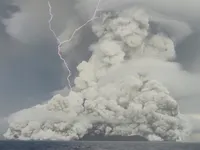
pixel 94 145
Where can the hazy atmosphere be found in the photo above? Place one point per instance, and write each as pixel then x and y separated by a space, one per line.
pixel 31 71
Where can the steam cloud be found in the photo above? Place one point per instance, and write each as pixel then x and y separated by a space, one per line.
pixel 108 98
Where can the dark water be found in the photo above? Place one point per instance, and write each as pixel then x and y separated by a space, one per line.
pixel 117 145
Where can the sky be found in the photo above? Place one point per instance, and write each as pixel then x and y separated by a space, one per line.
pixel 30 69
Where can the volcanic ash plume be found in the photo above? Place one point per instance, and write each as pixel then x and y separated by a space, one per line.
pixel 132 104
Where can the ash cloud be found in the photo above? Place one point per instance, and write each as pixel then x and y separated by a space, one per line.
pixel 132 104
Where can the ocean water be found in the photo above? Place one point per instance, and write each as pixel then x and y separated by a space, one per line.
pixel 86 145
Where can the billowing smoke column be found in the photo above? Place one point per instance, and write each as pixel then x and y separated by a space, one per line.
pixel 132 104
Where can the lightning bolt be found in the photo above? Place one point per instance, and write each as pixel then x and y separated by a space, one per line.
pixel 60 43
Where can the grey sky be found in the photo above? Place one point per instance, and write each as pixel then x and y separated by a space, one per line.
pixel 27 71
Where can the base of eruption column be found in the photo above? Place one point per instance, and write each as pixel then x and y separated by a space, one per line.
pixel 113 138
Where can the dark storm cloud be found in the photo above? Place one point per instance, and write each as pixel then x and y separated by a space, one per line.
pixel 7 8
